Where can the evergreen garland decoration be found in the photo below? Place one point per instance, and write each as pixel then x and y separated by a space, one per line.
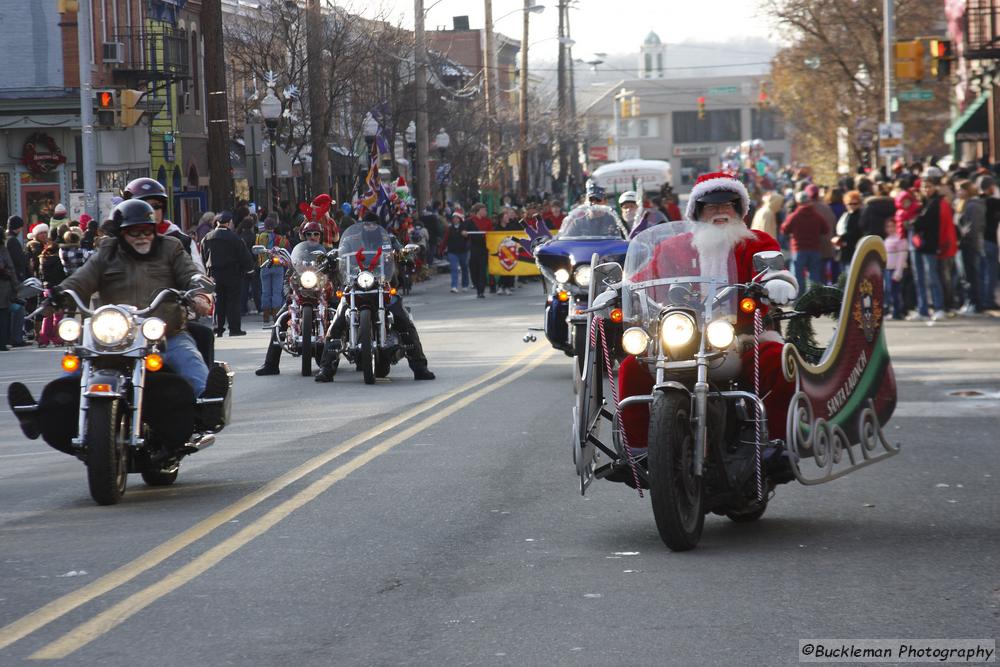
pixel 819 300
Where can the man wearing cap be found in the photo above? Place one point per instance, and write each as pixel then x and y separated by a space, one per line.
pixel 806 227
pixel 638 220
pixel 595 194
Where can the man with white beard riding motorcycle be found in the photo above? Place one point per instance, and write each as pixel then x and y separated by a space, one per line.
pixel 719 203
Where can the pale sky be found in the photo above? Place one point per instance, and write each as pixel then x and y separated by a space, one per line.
pixel 609 26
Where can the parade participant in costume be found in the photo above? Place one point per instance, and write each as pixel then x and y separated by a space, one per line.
pixel 321 214
pixel 719 203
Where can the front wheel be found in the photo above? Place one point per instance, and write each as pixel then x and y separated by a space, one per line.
pixel 580 345
pixel 674 490
pixel 366 351
pixel 107 450
pixel 307 342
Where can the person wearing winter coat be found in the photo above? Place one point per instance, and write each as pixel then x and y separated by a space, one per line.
pixel 52 274
pixel 848 231
pixel 924 232
pixel 71 254
pixel 766 217
pixel 8 295
pixel 895 264
pixel 971 226
pixel 456 246
pixel 806 228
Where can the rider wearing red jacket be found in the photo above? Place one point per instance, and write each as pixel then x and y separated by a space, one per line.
pixel 720 202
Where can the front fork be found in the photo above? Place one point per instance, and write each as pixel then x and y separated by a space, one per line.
pixel 700 398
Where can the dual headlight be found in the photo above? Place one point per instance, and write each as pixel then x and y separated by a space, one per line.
pixel 366 280
pixel 581 275
pixel 678 330
pixel 309 279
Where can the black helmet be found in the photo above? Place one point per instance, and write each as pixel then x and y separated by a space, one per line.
pixel 133 212
pixel 144 188
pixel 595 191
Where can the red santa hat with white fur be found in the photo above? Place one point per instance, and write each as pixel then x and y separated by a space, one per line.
pixel 716 182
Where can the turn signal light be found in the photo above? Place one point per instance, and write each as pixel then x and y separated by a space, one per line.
pixel 99 388
pixel 340 293
pixel 392 291
pixel 70 363
pixel 275 261
pixel 748 305
pixel 563 296
pixel 154 362
pixel 616 315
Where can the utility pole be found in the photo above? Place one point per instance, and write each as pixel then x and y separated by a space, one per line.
pixel 889 34
pixel 217 107
pixel 574 167
pixel 523 162
pixel 489 74
pixel 318 101
pixel 561 83
pixel 85 41
pixel 420 56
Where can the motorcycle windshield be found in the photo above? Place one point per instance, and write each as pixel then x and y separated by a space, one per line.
pixel 680 264
pixel 303 257
pixel 591 222
pixel 366 247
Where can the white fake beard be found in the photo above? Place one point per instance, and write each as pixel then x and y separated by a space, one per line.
pixel 715 245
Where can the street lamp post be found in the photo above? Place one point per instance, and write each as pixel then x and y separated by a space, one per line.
pixel 411 145
pixel 529 9
pixel 270 110
pixel 442 141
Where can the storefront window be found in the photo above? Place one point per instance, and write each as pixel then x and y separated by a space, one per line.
pixel 692 167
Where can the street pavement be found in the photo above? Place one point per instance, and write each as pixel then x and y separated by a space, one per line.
pixel 440 523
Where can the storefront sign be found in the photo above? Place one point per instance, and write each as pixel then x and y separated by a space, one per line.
pixel 685 151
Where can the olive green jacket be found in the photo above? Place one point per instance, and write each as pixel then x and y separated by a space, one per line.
pixel 120 278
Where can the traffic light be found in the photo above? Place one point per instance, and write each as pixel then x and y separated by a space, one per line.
pixel 130 115
pixel 635 106
pixel 941 57
pixel 910 60
pixel 64 6
pixel 701 108
pixel 107 107
pixel 626 107
pixel 763 101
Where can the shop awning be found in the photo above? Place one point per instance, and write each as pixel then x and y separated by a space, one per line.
pixel 972 125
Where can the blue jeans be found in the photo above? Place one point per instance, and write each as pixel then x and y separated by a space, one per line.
pixel 807 260
pixel 459 260
pixel 989 275
pixel 271 280
pixel 926 274
pixel 183 357
pixel 16 323
pixel 893 295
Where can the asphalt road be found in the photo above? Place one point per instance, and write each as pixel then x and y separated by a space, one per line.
pixel 440 523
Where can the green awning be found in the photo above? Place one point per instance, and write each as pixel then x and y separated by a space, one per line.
pixel 972 125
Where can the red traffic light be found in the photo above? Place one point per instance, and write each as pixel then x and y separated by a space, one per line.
pixel 105 99
pixel 701 101
pixel 940 48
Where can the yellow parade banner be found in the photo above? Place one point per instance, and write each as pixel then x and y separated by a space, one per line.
pixel 507 256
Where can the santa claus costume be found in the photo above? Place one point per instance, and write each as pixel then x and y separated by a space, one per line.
pixel 720 243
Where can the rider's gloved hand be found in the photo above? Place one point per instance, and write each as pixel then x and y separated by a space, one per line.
pixel 780 286
pixel 202 304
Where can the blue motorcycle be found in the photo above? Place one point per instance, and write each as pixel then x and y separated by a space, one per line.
pixel 565 263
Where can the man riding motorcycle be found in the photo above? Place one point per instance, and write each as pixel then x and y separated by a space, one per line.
pixel 638 220
pixel 151 191
pixel 720 202
pixel 401 322
pixel 312 234
pixel 131 268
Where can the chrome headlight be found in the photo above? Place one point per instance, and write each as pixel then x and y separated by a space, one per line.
pixel 110 326
pixel 309 279
pixel 561 276
pixel 582 275
pixel 153 329
pixel 69 330
pixel 366 280
pixel 676 330
pixel 635 340
pixel 720 334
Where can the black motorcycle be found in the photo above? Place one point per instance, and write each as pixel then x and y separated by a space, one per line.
pixel 132 415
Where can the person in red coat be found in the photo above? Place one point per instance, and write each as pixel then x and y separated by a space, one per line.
pixel 720 244
pixel 321 214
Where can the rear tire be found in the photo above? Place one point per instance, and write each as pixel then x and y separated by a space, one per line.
pixel 161 477
pixel 307 341
pixel 675 493
pixel 107 450
pixel 366 351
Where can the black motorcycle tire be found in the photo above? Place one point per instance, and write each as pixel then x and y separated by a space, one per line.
pixel 161 476
pixel 675 493
pixel 107 451
pixel 366 347
pixel 382 366
pixel 307 341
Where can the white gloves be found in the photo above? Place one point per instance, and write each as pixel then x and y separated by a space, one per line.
pixel 780 286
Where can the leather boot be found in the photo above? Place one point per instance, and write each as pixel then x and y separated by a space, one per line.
pixel 271 361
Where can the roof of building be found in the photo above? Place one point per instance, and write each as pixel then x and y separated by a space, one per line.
pixel 652 39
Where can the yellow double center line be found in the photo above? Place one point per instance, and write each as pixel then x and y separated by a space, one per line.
pixel 105 621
